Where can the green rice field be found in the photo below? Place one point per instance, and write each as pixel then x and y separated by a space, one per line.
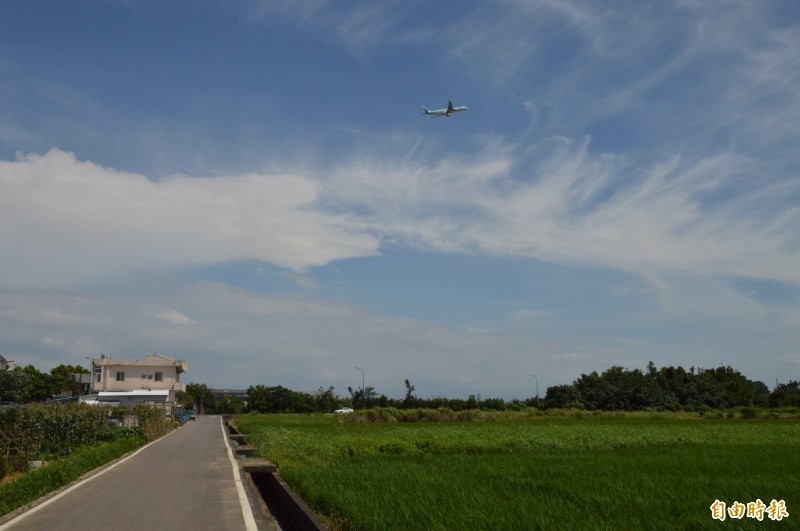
pixel 534 472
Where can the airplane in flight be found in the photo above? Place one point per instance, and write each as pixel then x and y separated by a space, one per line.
pixel 450 110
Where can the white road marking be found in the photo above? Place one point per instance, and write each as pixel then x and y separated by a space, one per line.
pixel 79 484
pixel 249 521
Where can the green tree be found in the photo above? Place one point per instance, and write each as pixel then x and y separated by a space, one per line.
pixel 677 383
pixel 410 401
pixel 230 405
pixel 473 402
pixel 258 398
pixel 761 394
pixel 39 385
pixel 14 385
pixel 708 392
pixel 203 398
pixel 279 399
pixel 62 378
pixel 739 391
pixel 283 400
pixel 786 395
pixel 363 398
pixel 645 393
pixel 594 391
pixel 326 400
pixel 496 404
pixel 563 396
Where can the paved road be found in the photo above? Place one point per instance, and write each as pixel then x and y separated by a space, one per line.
pixel 182 481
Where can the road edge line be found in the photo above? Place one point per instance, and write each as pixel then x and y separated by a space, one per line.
pixel 80 483
pixel 247 512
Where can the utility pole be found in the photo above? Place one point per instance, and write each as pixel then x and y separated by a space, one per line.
pixel 537 388
pixel 363 389
pixel 91 377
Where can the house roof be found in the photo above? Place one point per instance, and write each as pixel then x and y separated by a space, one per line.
pixel 151 360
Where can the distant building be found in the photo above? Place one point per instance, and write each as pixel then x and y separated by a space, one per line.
pixel 230 393
pixel 85 381
pixel 6 364
pixel 155 379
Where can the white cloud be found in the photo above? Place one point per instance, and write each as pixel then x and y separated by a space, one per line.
pixel 175 317
pixel 575 206
pixel 66 221
pixel 63 220
pixel 50 342
pixel 790 359
pixel 570 356
pixel 303 281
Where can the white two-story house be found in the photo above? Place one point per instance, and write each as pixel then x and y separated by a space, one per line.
pixel 155 379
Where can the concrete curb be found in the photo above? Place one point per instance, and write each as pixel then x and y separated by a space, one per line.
pixel 288 509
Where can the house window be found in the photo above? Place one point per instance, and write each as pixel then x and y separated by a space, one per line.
pixel 98 371
pixel 120 376
pixel 159 376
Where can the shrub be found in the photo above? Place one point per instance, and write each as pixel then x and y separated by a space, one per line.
pixel 153 421
pixel 29 487
pixel 48 429
pixel 749 412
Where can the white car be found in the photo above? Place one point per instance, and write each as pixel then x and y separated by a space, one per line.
pixel 343 411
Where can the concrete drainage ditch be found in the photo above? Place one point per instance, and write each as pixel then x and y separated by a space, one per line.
pixel 288 510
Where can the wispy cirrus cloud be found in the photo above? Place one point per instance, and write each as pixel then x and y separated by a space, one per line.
pixel 361 26
pixel 693 217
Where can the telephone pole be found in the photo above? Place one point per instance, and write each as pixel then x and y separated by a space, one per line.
pixel 363 389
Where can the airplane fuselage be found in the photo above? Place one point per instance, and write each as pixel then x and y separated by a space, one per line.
pixel 449 111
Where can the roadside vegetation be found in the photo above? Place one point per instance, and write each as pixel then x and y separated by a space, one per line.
pixel 27 384
pixel 559 469
pixel 46 446
pixel 36 483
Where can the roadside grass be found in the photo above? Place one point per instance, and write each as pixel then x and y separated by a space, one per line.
pixel 56 474
pixel 526 472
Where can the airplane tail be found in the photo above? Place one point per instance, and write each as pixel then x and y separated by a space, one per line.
pixel 425 110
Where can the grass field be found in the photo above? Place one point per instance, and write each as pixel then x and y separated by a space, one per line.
pixel 523 472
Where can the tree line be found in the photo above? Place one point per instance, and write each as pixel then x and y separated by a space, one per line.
pixel 616 389
pixel 669 389
pixel 27 384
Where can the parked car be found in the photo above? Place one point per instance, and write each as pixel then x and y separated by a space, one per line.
pixel 343 411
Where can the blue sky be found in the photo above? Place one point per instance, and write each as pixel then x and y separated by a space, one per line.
pixel 250 186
